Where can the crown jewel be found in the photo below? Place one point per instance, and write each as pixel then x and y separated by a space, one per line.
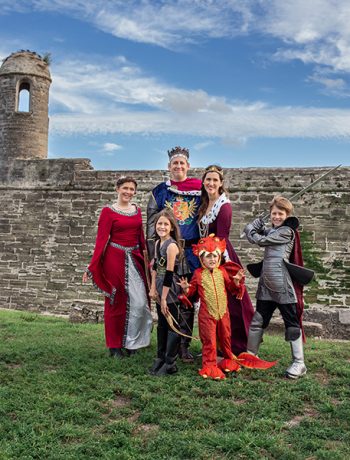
pixel 178 152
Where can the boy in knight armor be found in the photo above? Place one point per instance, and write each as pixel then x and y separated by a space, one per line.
pixel 276 288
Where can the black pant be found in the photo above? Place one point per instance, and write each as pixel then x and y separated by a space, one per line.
pixel 288 311
pixel 163 328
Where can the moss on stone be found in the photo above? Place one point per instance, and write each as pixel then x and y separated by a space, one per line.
pixel 310 256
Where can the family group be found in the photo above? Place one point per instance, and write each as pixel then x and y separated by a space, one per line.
pixel 188 263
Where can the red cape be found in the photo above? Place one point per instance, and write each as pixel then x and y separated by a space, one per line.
pixel 187 185
pixel 296 258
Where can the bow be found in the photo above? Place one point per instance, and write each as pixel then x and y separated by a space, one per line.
pixel 146 263
pixel 171 320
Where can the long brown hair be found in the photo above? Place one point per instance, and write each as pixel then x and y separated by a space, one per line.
pixel 175 231
pixel 204 196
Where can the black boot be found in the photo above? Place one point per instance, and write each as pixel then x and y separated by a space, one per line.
pixel 169 367
pixel 116 353
pixel 162 337
pixel 130 352
pixel 158 363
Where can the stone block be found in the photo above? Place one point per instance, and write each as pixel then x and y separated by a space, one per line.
pixel 344 317
pixel 330 320
pixel 86 311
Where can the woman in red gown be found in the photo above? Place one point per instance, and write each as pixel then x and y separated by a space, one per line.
pixel 215 215
pixel 117 271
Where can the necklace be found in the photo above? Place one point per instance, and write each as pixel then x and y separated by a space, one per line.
pixel 131 209
pixel 123 208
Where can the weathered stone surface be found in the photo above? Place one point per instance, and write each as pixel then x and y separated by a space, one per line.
pixel 24 134
pixel 332 320
pixel 86 311
pixel 49 228
pixel 344 317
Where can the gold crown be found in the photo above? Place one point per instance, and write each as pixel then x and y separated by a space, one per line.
pixel 214 169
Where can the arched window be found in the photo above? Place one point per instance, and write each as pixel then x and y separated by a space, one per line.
pixel 23 99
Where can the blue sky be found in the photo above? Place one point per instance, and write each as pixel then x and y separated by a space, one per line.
pixel 240 83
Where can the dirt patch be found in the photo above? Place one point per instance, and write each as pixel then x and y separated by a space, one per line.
pixel 239 402
pixel 322 377
pixel 295 421
pixel 147 428
pixel 13 365
pixel 135 416
pixel 120 401
pixel 51 369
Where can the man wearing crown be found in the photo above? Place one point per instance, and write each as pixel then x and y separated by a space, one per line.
pixel 181 194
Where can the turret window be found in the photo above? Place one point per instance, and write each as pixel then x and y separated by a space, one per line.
pixel 23 100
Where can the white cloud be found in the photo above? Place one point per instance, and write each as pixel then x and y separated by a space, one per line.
pixel 104 98
pixel 116 96
pixel 269 123
pixel 202 145
pixel 331 84
pixel 314 31
pixel 166 23
pixel 81 87
pixel 111 147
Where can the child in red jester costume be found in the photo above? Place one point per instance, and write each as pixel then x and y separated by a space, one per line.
pixel 210 283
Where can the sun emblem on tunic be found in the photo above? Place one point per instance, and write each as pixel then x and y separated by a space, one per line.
pixel 183 210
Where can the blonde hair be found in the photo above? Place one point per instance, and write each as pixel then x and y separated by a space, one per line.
pixel 282 203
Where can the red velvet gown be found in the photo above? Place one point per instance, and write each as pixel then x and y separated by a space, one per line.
pixel 241 311
pixel 117 270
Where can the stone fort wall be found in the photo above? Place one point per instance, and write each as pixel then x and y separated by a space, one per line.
pixel 50 208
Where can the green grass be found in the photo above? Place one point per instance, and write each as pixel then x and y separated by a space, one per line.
pixel 62 397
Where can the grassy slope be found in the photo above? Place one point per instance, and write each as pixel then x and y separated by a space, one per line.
pixel 62 397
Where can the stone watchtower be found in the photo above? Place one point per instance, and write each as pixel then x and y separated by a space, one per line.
pixel 24 98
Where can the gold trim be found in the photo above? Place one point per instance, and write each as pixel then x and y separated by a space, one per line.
pixel 215 292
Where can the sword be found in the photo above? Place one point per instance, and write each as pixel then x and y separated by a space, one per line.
pixel 301 192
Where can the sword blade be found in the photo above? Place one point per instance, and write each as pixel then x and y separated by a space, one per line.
pixel 305 189
pixel 266 216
